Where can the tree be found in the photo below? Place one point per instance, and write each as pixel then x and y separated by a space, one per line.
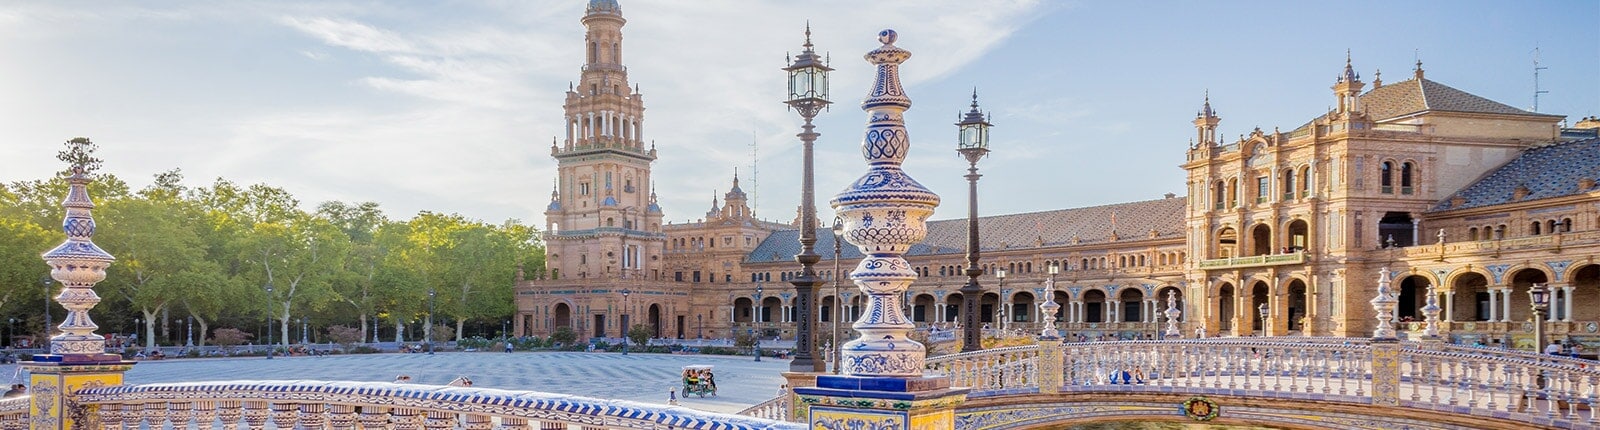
pixel 20 245
pixel 640 335
pixel 563 336
pixel 227 338
pixel 345 336
pixel 153 248
pixel 354 284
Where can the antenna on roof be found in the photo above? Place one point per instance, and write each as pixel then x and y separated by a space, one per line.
pixel 1536 69
pixel 755 186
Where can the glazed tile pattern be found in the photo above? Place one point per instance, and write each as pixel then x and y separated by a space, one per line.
pixel 1087 225
pixel 440 404
pixel 885 213
pixel 78 264
pixel 1547 172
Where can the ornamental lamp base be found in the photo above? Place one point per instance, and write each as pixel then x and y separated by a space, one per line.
pixel 848 402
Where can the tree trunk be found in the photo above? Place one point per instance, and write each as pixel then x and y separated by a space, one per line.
pixel 364 329
pixel 149 329
pixel 284 324
pixel 201 341
pixel 458 331
pixel 399 330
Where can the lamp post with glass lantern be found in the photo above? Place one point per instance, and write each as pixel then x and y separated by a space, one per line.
pixel 808 95
pixel 47 282
pixel 973 144
pixel 755 333
pixel 1539 299
pixel 1004 314
pixel 838 306
pixel 625 321
pixel 305 331
pixel 1262 309
pixel 428 333
pixel 269 321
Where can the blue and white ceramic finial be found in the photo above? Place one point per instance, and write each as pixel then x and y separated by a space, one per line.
pixel 885 212
pixel 78 264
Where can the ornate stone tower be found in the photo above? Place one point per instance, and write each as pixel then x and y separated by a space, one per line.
pixel 603 221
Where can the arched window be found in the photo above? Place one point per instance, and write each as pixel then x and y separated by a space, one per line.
pixel 1386 177
pixel 1472 233
pixel 1233 192
pixel 1406 172
pixel 1550 227
pixel 611 222
pixel 1305 181
pixel 1288 184
pixel 1218 192
pixel 1534 229
pixel 594 52
pixel 1566 225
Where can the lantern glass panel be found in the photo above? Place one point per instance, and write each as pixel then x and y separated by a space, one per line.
pixel 799 84
pixel 820 78
pixel 973 136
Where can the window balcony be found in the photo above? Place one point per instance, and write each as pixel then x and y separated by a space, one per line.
pixel 1256 261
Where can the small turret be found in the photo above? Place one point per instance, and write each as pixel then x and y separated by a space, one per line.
pixel 1347 88
pixel 1205 124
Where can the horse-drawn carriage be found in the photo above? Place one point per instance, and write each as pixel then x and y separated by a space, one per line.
pixel 699 380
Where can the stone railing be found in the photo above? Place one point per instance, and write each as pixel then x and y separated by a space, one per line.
pixel 14 413
pixel 1551 391
pixel 779 408
pixel 1548 241
pixel 369 405
pixel 1256 261
pixel 992 370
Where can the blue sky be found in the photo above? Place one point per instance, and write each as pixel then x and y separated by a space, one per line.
pixel 450 106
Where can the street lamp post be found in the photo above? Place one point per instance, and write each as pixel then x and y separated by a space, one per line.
pixel 1262 309
pixel 1539 299
pixel 428 333
pixel 47 282
pixel 1003 314
pixel 188 326
pixel 269 321
pixel 808 95
pixel 625 322
pixel 755 333
pixel 838 305
pixel 305 331
pixel 973 144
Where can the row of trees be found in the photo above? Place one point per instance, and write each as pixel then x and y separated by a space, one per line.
pixel 229 255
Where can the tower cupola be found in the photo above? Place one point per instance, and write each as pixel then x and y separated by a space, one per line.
pixel 1205 124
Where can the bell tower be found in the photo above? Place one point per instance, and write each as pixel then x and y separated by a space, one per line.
pixel 1205 125
pixel 602 221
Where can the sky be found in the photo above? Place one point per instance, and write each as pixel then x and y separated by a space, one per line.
pixel 450 106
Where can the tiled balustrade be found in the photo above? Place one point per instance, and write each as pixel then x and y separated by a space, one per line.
pixel 252 405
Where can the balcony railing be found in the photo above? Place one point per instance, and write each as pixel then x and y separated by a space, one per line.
pixel 1256 261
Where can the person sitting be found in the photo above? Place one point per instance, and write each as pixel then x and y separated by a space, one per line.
pixel 17 390
pixel 460 381
pixel 402 379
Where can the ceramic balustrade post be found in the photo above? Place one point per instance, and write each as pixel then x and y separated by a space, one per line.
pixel 230 411
pixel 478 422
pixel 255 414
pixel 205 414
pixel 285 415
pixel 374 418
pixel 405 419
pixel 154 414
pixel 439 420
pixel 514 424
pixel 313 416
pixel 110 418
pixel 549 425
pixel 342 417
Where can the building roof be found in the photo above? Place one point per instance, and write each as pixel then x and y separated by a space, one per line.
pixel 1546 171
pixel 1419 95
pixel 1090 225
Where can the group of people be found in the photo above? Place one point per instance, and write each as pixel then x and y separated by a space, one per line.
pixel 701 380
pixel 460 381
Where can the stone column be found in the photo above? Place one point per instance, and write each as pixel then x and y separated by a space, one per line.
pixel 1566 303
pixel 1505 304
pixel 1494 305
pixel 1449 306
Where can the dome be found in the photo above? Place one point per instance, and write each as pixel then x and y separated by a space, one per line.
pixel 603 6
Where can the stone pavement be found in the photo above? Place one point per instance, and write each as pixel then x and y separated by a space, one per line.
pixel 741 382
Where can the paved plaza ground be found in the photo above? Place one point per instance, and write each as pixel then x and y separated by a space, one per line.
pixel 741 382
